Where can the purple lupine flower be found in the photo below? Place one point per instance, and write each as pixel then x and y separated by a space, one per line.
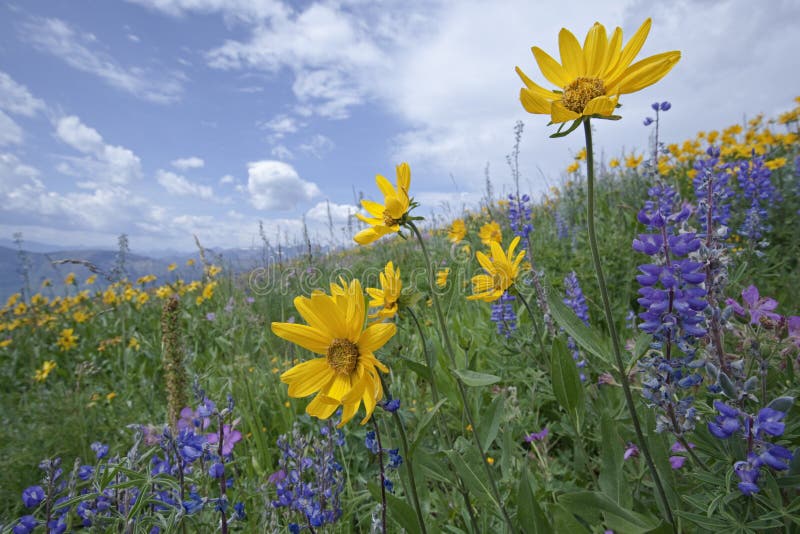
pixel 748 475
pixel 727 423
pixel 519 216
pixel 793 328
pixel 391 405
pixel 711 175
pixel 757 189
pixel 576 300
pixel 630 451
pixel 211 316
pixel 395 459
pixel 537 436
pixel 562 227
pixel 504 316
pixel 32 496
pixel 756 305
pixel 100 450
pixel 216 470
pixel 648 121
pixel 676 462
pixel 665 106
pixel 769 421
pixel 190 445
pixel 25 525
pixel 230 437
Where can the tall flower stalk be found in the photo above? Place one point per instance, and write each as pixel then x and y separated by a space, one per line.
pixel 609 316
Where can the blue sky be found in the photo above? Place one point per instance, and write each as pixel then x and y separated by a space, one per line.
pixel 167 118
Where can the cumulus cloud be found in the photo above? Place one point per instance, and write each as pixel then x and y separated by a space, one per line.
pixel 339 213
pixel 10 131
pixel 275 185
pixel 324 46
pixel 81 51
pixel 282 152
pixel 15 98
pixel 227 179
pixel 103 162
pixel 243 10
pixel 188 163
pixel 318 146
pixel 178 185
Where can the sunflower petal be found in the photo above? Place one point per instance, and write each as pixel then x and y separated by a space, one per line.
pixel 374 209
pixel 558 113
pixel 533 103
pixel 385 186
pixel 631 50
pixel 338 387
pixel 550 68
pixel 613 51
pixel 485 262
pixel 308 377
pixel 306 336
pixel 311 314
pixel 647 72
pixel 403 178
pixel 572 58
pixel 594 49
pixel 602 105
pixel 376 336
pixel 535 88
pixel 322 407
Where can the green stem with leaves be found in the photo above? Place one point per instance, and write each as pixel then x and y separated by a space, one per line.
pixel 601 281
pixel 461 390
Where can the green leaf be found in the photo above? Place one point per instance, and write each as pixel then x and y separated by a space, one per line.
pixel 566 381
pixel 564 521
pixel 476 484
pixel 569 130
pixel 582 334
pixel 702 521
pixel 616 517
pixel 423 425
pixel 490 422
pixel 398 509
pixel 420 369
pixel 612 479
pixel 642 344
pixel 782 404
pixel 530 516
pixel 473 379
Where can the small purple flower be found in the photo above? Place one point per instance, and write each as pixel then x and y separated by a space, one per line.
pixel 85 472
pixel 250 300
pixel 726 423
pixel 793 326
pixel 537 436
pixel 392 405
pixel 757 306
pixel 395 460
pixel 216 470
pixel 655 105
pixel 748 475
pixel 211 316
pixel 25 525
pixel 32 496
pixel 631 451
pixel 648 121
pixel 230 437
pixel 769 421
pixel 676 462
pixel 100 450
pixel 665 106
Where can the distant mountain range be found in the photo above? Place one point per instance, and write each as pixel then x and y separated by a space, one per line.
pixel 45 262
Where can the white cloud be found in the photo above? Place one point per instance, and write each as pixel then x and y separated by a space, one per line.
pixel 318 146
pixel 280 125
pixel 15 98
pixel 227 179
pixel 103 163
pixel 188 163
pixel 339 213
pixel 245 10
pixel 10 132
pixel 179 185
pixel 324 46
pixel 282 152
pixel 274 185
pixel 81 51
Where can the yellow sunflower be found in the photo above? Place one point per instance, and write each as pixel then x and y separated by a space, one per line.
pixel 591 79
pixel 457 232
pixel 490 232
pixel 441 277
pixel 347 374
pixel 387 297
pixel 386 218
pixel 501 272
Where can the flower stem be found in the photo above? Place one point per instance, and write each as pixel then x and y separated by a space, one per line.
pixel 533 320
pixel 383 475
pixel 461 390
pixel 401 429
pixel 623 375
pixel 428 360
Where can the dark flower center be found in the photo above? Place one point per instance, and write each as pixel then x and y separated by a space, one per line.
pixel 343 356
pixel 578 93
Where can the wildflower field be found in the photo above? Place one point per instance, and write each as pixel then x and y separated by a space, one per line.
pixel 618 355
